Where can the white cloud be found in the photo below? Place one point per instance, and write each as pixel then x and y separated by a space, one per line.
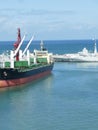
pixel 42 21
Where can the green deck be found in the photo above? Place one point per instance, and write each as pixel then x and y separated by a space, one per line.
pixel 18 64
pixel 39 60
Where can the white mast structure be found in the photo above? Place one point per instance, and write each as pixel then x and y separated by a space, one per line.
pixel 16 51
pixel 28 45
pixel 95 48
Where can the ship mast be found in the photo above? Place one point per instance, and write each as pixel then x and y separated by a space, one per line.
pixel 16 44
pixel 42 46
pixel 95 48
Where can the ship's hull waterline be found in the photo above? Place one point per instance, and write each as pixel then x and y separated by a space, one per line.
pixel 12 82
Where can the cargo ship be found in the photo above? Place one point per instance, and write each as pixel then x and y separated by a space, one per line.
pixel 21 66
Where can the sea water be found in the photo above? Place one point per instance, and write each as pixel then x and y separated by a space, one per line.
pixel 67 99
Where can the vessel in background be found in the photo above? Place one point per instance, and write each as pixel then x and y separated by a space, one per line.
pixel 83 56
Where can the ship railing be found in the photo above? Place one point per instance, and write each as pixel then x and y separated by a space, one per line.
pixel 4 57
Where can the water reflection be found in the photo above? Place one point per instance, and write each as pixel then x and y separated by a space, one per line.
pixel 47 82
pixel 88 64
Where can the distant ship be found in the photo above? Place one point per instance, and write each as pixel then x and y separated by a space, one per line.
pixel 20 67
pixel 83 56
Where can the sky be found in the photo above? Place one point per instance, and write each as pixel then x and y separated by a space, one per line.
pixel 49 19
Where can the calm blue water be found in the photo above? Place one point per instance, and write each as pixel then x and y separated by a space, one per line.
pixel 67 99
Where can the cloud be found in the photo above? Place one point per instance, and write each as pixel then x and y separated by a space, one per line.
pixel 47 12
pixel 42 21
pixel 13 11
pixel 41 18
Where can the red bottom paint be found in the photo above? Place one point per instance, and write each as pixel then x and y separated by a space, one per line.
pixel 15 82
